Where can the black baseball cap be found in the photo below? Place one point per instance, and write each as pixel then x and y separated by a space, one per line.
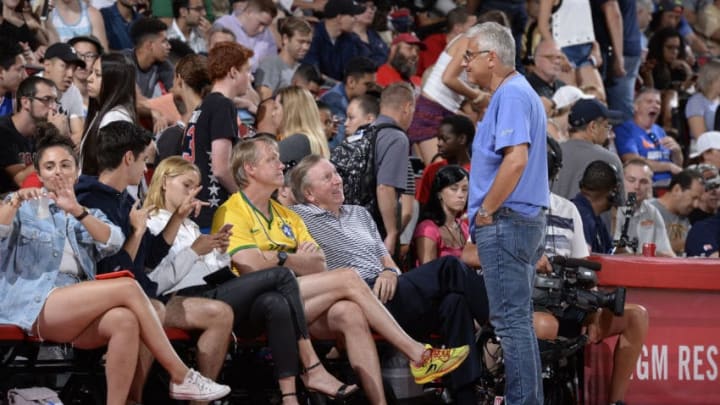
pixel 64 52
pixel 334 8
pixel 87 38
pixel 586 110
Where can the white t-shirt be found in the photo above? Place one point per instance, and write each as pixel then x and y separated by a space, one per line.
pixel 647 225
pixel 564 235
pixel 72 102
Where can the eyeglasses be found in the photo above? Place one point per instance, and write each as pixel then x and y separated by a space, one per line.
pixel 47 100
pixel 470 56
pixel 89 56
pixel 199 9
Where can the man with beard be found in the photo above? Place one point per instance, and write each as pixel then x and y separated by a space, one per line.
pixel 641 138
pixel 276 71
pixel 333 43
pixel 190 24
pixel 403 61
pixel 590 124
pixel 37 103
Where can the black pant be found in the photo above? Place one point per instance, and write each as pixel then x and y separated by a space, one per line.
pixel 443 295
pixel 266 300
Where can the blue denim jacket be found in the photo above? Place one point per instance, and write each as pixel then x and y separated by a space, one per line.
pixel 30 253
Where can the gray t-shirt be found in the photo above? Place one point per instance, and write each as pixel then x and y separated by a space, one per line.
pixel 647 225
pixel 676 227
pixel 72 102
pixel 391 157
pixel 274 73
pixel 576 155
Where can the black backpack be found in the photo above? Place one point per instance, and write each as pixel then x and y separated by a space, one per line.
pixel 354 160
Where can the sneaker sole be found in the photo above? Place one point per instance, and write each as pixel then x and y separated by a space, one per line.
pixel 209 397
pixel 428 378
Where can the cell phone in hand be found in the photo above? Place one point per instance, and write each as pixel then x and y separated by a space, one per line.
pixel 45 10
pixel 225 228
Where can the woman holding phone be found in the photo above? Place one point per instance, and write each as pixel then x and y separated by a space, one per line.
pixel 262 301
pixel 49 245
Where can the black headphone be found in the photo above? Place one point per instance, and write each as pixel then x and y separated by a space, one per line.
pixel 554 158
pixel 615 197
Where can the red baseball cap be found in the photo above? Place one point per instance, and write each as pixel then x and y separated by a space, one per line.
pixel 408 38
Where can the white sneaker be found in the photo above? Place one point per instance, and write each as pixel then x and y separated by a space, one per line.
pixel 195 387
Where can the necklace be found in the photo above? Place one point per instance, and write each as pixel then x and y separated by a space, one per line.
pixel 503 80
pixel 456 241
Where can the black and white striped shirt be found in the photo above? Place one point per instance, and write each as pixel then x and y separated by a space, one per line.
pixel 350 240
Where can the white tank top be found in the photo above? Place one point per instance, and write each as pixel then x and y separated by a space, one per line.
pixel 436 90
pixel 66 30
pixel 572 24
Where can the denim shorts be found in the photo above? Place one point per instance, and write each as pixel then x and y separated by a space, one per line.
pixel 579 55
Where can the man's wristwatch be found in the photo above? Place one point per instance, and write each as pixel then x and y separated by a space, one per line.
pixel 482 212
pixel 282 257
pixel 392 269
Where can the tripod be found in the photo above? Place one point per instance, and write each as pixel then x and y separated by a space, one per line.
pixel 625 242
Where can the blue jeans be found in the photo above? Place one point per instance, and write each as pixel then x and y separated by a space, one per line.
pixel 621 92
pixel 508 250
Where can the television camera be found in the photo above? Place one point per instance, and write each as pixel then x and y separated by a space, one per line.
pixel 569 291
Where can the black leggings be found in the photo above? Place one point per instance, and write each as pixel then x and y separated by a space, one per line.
pixel 266 300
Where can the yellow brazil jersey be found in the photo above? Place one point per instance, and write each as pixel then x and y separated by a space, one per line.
pixel 283 231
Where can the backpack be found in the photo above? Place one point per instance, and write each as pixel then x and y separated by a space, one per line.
pixel 354 160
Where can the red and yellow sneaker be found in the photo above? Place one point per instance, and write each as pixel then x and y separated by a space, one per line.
pixel 438 362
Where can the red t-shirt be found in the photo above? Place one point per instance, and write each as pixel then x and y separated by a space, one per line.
pixel 387 75
pixel 434 45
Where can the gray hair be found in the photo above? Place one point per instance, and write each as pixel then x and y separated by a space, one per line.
pixel 646 4
pixel 491 36
pixel 299 176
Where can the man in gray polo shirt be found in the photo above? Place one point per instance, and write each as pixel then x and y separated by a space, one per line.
pixel 397 107
pixel 442 295
pixel 590 126
pixel 646 224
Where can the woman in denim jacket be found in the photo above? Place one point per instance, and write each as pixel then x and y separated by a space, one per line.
pixel 49 245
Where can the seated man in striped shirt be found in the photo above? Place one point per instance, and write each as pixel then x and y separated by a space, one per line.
pixel 443 295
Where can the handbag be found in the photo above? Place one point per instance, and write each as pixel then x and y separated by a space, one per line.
pixel 33 396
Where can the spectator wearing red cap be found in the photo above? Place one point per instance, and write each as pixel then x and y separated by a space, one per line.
pixel 333 43
pixel 403 62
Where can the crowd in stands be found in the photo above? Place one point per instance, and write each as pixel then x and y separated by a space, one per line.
pixel 317 154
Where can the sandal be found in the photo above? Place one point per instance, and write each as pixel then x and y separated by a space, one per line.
pixel 342 393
